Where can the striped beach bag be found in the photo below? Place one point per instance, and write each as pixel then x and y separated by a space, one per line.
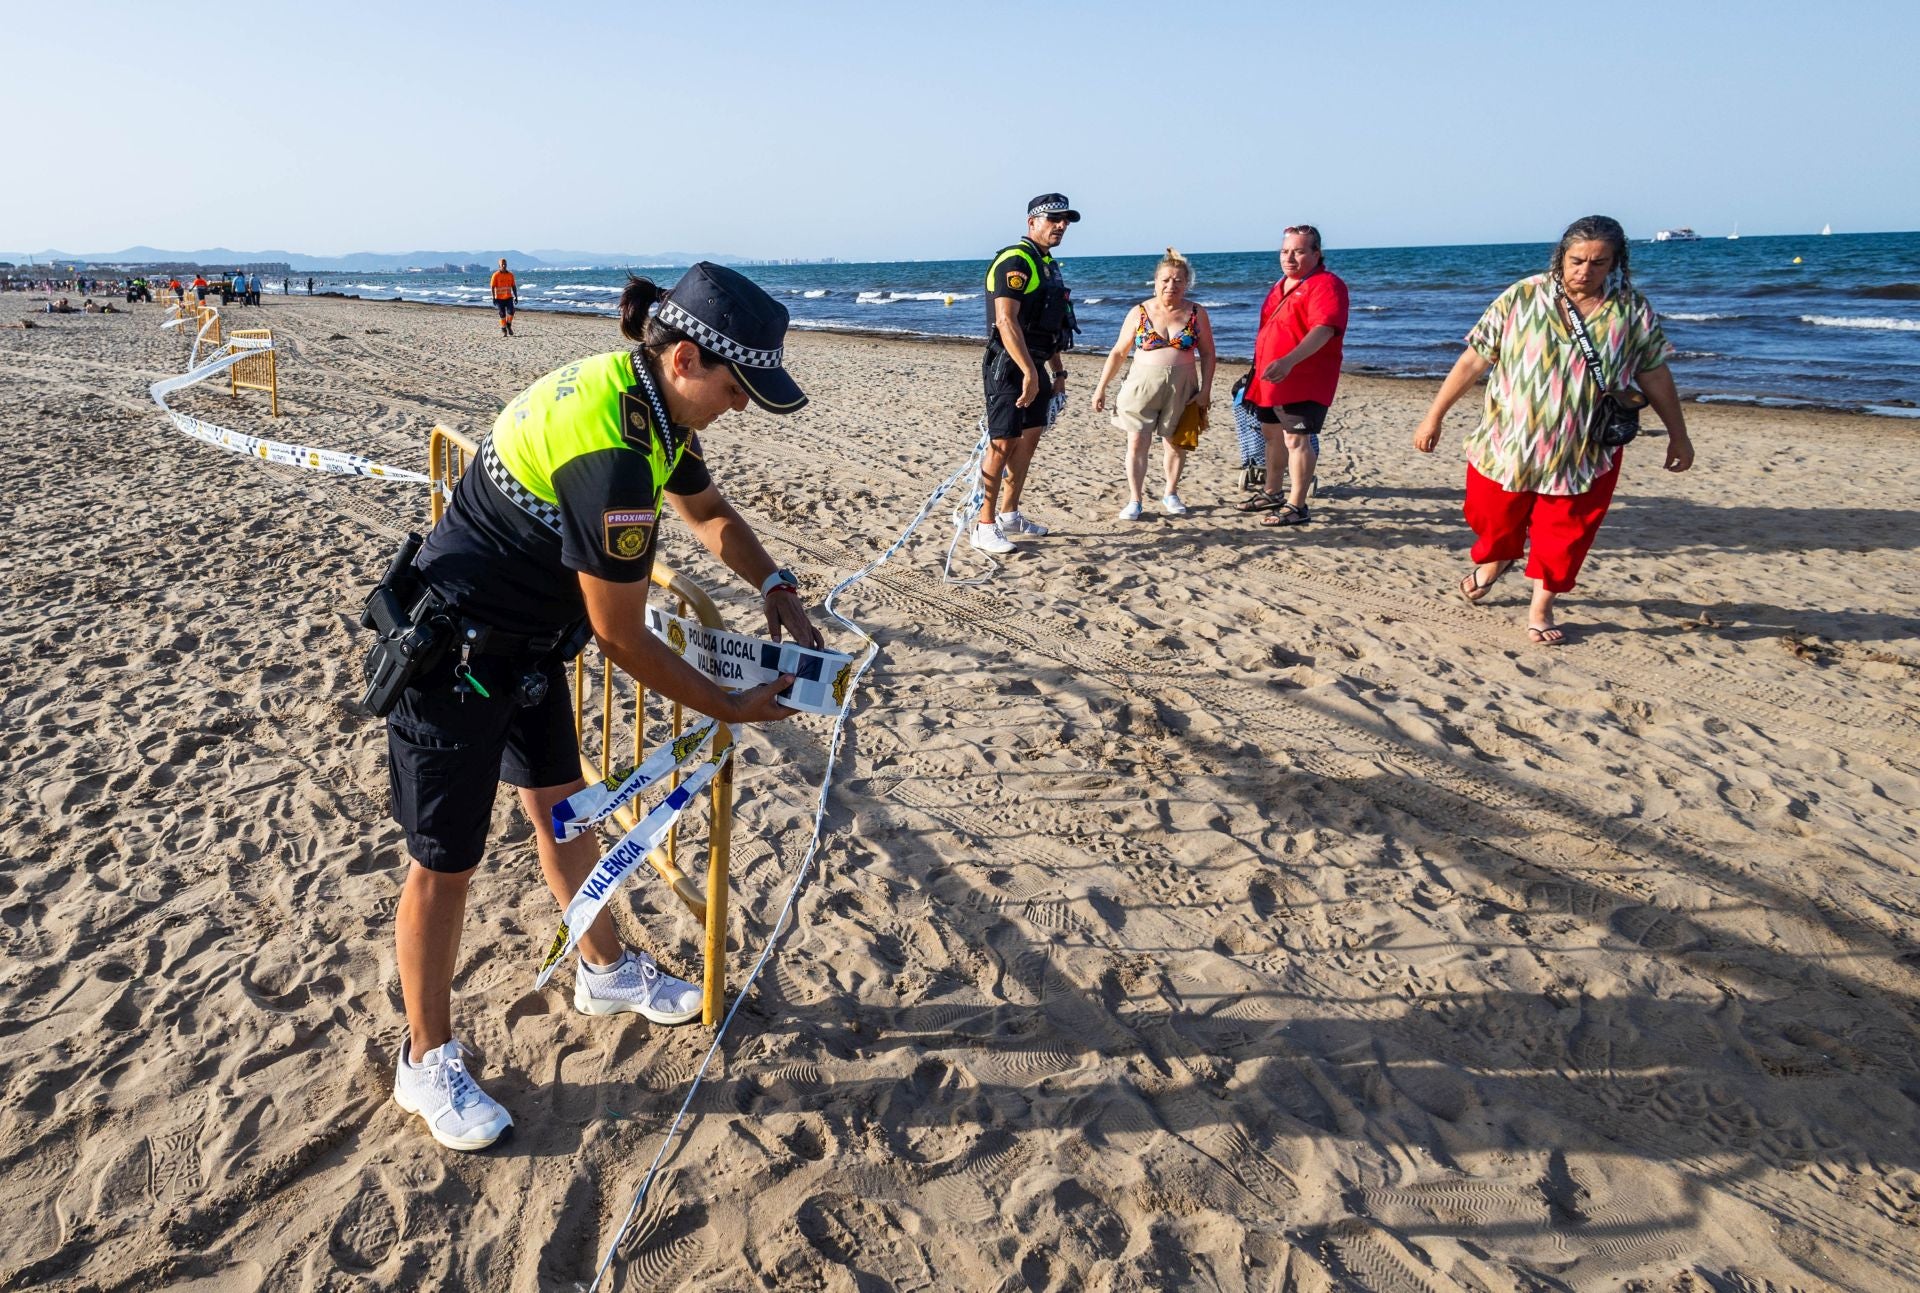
pixel 1253 444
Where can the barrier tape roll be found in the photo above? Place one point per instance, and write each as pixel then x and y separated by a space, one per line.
pixel 737 661
pixel 588 808
pixel 620 861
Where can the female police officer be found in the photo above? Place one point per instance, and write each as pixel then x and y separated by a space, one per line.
pixel 553 534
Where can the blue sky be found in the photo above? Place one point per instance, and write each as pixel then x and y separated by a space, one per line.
pixel 865 131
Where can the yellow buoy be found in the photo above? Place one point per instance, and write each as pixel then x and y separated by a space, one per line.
pixel 1796 260
pixel 949 300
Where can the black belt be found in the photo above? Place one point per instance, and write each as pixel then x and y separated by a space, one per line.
pixel 485 639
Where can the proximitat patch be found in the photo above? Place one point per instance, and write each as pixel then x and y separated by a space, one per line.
pixel 629 532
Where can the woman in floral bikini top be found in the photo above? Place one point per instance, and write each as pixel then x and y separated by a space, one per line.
pixel 1169 373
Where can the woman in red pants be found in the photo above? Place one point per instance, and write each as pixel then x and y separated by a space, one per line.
pixel 1539 476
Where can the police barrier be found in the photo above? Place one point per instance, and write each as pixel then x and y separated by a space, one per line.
pixel 618 738
pixel 255 370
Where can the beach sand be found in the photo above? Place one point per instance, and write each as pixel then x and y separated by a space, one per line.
pixel 1201 906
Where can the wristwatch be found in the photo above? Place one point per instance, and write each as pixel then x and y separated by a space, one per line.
pixel 778 579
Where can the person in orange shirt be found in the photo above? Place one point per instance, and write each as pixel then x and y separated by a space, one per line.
pixel 199 287
pixel 504 296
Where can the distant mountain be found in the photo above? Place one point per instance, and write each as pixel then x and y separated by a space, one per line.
pixel 366 261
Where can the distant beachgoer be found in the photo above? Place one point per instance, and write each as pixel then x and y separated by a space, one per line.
pixel 1539 471
pixel 199 288
pixel 286 287
pixel 1171 341
pixel 551 539
pixel 253 288
pixel 506 294
pixel 309 285
pixel 1296 370
pixel 179 292
pixel 1029 327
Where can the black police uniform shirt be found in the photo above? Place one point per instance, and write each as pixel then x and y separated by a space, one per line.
pixel 566 483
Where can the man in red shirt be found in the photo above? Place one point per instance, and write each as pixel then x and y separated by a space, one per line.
pixel 1296 365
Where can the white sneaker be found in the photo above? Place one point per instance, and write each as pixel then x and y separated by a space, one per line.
pixel 635 984
pixel 1172 505
pixel 988 538
pixel 441 1090
pixel 1012 523
pixel 1131 512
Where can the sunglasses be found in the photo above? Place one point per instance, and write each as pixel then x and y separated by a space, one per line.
pixel 1056 219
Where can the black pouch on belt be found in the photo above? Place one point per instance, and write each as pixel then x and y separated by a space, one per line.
pixel 412 626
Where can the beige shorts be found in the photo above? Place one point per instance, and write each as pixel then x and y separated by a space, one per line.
pixel 1154 396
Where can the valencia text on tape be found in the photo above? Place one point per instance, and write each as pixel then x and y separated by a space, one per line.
pixel 737 661
pixel 588 808
pixel 620 861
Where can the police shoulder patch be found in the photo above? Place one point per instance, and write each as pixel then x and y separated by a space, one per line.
pixel 1016 279
pixel 628 531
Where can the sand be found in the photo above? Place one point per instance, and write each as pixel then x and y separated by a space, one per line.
pixel 1201 906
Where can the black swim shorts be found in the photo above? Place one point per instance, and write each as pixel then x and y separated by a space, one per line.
pixel 1313 415
pixel 1001 376
pixel 504 304
pixel 446 755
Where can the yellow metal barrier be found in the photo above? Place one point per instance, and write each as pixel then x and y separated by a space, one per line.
pixel 622 742
pixel 256 372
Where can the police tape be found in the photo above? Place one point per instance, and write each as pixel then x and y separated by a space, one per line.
pixel 620 861
pixel 784 919
pixel 737 661
pixel 588 808
pixel 334 461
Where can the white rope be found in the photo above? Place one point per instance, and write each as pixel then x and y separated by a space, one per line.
pixel 806 862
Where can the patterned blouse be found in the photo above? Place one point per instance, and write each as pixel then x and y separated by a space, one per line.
pixel 1532 434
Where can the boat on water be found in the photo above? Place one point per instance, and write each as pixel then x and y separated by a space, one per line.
pixel 1735 235
pixel 1825 230
pixel 1682 234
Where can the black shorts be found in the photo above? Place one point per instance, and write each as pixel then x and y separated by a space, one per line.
pixel 445 756
pixel 504 304
pixel 1002 377
pixel 1313 415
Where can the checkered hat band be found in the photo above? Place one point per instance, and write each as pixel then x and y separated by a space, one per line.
pixel 1046 208
pixel 725 347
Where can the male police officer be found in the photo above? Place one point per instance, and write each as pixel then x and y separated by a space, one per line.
pixel 1029 324
pixel 551 534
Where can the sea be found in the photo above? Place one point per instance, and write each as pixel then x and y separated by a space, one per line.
pixel 1827 321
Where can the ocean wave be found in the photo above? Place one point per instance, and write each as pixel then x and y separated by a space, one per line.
pixel 1851 321
pixel 1893 410
pixel 1890 292
pixel 1697 318
pixel 1698 354
pixel 581 287
pixel 815 293
pixel 888 297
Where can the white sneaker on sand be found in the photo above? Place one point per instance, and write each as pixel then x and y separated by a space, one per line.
pixel 1012 523
pixel 1131 512
pixel 634 983
pixel 1172 505
pixel 988 538
pixel 441 1090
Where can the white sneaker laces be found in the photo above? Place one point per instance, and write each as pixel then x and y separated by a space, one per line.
pixel 462 1090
